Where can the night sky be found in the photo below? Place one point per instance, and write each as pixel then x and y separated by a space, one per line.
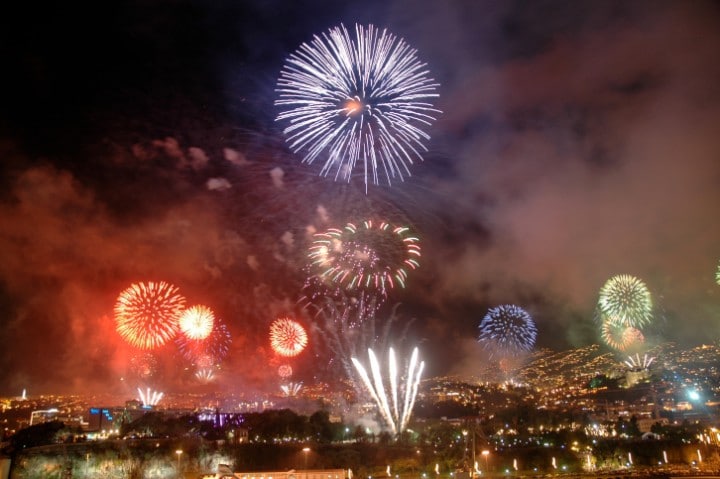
pixel 138 142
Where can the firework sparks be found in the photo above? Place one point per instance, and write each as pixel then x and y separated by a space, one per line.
pixel 357 100
pixel 397 409
pixel 285 371
pixel 216 346
pixel 143 364
pixel 149 397
pixel 620 337
pixel 147 314
pixel 345 330
pixel 372 256
pixel 507 329
pixel 205 375
pixel 626 300
pixel 291 389
pixel 287 337
pixel 197 322
pixel 634 362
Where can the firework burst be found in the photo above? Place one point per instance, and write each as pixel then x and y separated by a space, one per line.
pixel 287 337
pixel 147 314
pixel 216 346
pixel 362 99
pixel 619 336
pixel 197 322
pixel 285 371
pixel 507 329
pixel 371 256
pixel 397 408
pixel 143 364
pixel 626 300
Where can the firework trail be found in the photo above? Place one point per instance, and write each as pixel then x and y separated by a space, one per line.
pixel 507 329
pixel 634 362
pixel 397 409
pixel 345 331
pixel 205 375
pixel 197 322
pixel 287 337
pixel 149 397
pixel 626 300
pixel 291 389
pixel 147 314
pixel 357 100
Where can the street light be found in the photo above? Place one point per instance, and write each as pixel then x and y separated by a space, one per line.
pixel 179 453
pixel 305 451
pixel 485 454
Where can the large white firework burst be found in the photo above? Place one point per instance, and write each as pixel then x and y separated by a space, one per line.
pixel 626 300
pixel 396 409
pixel 357 99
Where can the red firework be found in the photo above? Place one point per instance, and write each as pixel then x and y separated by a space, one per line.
pixel 147 314
pixel 287 337
pixel 285 371
pixel 143 364
pixel 216 345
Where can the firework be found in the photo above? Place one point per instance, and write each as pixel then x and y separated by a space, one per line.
pixel 143 364
pixel 147 314
pixel 507 329
pixel 620 337
pixel 285 371
pixel 633 336
pixel 357 100
pixel 215 346
pixel 634 362
pixel 626 300
pixel 717 274
pixel 196 322
pixel 149 397
pixel 205 375
pixel 395 410
pixel 345 330
pixel 373 256
pixel 291 389
pixel 287 337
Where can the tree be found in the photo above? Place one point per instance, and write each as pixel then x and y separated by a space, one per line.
pixel 321 427
pixel 37 435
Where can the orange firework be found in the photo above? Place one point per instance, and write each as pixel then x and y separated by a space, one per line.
pixel 147 314
pixel 287 337
pixel 285 371
pixel 197 322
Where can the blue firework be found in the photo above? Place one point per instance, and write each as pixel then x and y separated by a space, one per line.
pixel 507 329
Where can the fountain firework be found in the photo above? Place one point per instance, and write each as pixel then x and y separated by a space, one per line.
pixel 397 414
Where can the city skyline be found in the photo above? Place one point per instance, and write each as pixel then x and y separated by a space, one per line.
pixel 575 143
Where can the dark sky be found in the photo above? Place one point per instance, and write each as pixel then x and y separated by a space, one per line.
pixel 578 140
